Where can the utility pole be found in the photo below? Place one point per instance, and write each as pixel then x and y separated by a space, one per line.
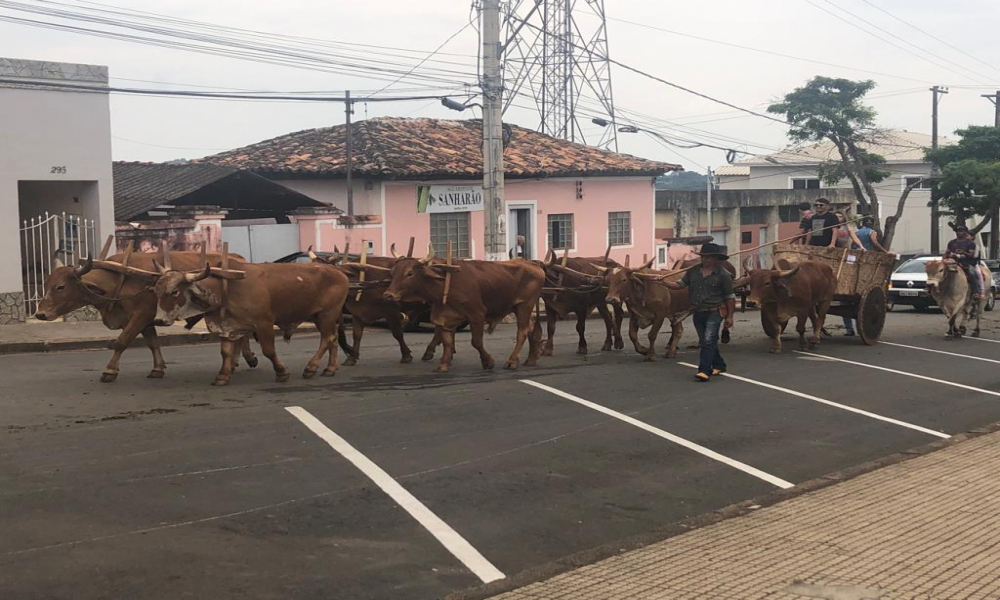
pixel 935 212
pixel 348 111
pixel 995 99
pixel 492 85
pixel 708 202
pixel 995 213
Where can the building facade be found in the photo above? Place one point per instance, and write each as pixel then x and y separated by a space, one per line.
pixel 422 178
pixel 55 173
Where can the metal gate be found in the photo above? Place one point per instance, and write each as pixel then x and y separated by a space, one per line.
pixel 264 242
pixel 47 239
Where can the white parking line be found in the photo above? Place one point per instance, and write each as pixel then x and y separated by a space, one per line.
pixel 888 370
pixel 776 481
pixel 448 537
pixel 981 339
pixel 831 403
pixel 942 352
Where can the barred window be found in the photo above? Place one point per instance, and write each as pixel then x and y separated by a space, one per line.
pixel 453 227
pixel 620 228
pixel 789 213
pixel 805 183
pixel 561 231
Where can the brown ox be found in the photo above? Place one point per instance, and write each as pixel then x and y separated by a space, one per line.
pixel 131 308
pixel 270 294
pixel 585 291
pixel 949 286
pixel 481 293
pixel 649 305
pixel 804 291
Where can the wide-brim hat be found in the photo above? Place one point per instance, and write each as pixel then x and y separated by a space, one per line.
pixel 711 249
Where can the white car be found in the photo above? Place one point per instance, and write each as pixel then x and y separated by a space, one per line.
pixel 908 285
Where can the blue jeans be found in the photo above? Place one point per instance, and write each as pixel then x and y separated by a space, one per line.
pixel 707 324
pixel 848 324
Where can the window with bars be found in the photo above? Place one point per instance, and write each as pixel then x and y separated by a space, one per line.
pixel 789 213
pixel 620 228
pixel 561 231
pixel 926 184
pixel 805 183
pixel 453 227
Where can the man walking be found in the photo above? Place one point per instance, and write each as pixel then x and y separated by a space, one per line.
pixel 819 228
pixel 710 288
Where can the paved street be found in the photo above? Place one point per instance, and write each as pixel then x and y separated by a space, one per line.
pixel 171 488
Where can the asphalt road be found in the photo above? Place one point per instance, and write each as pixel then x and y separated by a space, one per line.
pixel 170 488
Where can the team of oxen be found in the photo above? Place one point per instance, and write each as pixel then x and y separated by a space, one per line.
pixel 239 300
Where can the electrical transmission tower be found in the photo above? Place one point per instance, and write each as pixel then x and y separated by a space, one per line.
pixel 556 55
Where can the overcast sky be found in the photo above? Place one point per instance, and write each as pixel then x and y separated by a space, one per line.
pixel 162 129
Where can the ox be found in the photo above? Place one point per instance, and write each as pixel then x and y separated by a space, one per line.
pixel 370 306
pixel 481 293
pixel 804 291
pixel 949 286
pixel 584 290
pixel 259 296
pixel 126 304
pixel 649 305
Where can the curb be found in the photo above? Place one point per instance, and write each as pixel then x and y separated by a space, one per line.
pixel 176 339
pixel 593 555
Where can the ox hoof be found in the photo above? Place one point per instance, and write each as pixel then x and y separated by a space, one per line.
pixel 328 372
pixel 407 359
pixel 426 357
pixel 350 361
pixel 619 345
pixel 670 354
pixel 975 333
pixel 442 369
pixel 155 374
pixel 531 362
pixel 775 350
pixel 488 366
pixel 642 350
pixel 510 365
pixel 649 359
pixel 108 377
pixel 581 350
pixel 813 346
pixel 282 377
pixel 220 382
pixel 307 374
pixel 252 362
pixel 546 351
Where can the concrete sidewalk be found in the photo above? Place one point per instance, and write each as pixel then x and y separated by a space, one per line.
pixel 926 528
pixel 38 336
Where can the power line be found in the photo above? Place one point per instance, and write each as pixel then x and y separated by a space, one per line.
pixel 877 36
pixel 930 35
pixel 426 58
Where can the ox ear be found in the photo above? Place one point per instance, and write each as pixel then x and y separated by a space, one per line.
pixel 432 273
pixel 782 263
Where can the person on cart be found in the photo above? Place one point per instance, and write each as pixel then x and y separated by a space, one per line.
pixel 710 288
pixel 820 228
pixel 965 252
pixel 868 236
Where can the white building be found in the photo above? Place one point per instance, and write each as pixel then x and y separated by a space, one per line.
pixel 55 158
pixel 796 169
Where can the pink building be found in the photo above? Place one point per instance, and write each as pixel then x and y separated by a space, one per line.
pixel 423 178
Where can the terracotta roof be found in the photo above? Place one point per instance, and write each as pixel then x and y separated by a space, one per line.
pixel 728 170
pixel 142 186
pixel 896 146
pixel 397 148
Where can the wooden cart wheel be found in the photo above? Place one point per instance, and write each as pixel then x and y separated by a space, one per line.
pixel 871 314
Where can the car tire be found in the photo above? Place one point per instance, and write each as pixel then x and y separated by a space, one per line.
pixel 991 301
pixel 921 307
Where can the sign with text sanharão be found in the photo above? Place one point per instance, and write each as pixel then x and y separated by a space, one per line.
pixel 449 198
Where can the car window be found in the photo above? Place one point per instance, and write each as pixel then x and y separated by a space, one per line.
pixel 913 266
pixel 303 259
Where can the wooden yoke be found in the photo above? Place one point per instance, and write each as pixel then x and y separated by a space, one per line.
pixel 565 258
pixel 447 274
pixel 607 253
pixel 409 251
pixel 361 274
pixel 125 260
pixel 225 267
pixel 106 248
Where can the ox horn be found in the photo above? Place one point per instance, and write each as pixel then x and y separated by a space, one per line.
pixel 550 256
pixel 742 282
pixel 198 275
pixel 648 264
pixel 430 254
pixel 789 272
pixel 392 251
pixel 57 262
pixel 162 270
pixel 85 267
pixel 312 255
pixel 600 268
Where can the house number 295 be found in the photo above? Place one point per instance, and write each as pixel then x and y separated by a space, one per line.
pixel 59 170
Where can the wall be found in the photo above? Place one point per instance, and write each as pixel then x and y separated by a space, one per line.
pixel 551 196
pixel 45 130
pixel 334 193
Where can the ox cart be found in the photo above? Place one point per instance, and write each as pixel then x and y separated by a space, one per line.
pixel 862 280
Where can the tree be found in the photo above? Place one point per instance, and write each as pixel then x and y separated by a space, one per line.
pixel 681 180
pixel 970 169
pixel 830 109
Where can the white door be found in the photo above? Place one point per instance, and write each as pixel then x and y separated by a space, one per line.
pixel 521 224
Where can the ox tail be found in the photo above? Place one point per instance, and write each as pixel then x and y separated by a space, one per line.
pixel 342 339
